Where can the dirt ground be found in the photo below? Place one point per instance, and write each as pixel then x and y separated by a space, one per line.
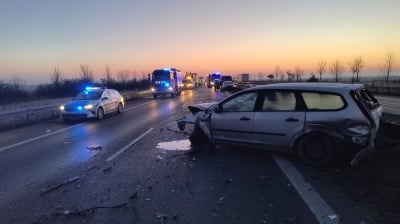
pixel 375 182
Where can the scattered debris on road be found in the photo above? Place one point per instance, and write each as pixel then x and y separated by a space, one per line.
pixel 73 179
pixel 107 169
pixel 92 148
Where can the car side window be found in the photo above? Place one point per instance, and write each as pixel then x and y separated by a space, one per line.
pixel 240 103
pixel 106 94
pixel 279 101
pixel 323 101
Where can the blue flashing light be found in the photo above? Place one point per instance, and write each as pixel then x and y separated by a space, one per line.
pixel 88 88
pixel 167 69
pixel 80 108
pixel 166 84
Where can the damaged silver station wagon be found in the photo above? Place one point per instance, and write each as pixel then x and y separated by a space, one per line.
pixel 314 121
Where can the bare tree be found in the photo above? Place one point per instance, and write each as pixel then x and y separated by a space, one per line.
pixel 355 66
pixel 86 73
pixel 278 72
pixel 321 69
pixel 108 80
pixel 16 83
pixel 55 79
pixel 298 72
pixel 388 65
pixel 337 68
pixel 123 76
pixel 260 75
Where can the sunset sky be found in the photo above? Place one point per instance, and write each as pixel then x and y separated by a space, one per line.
pixel 203 36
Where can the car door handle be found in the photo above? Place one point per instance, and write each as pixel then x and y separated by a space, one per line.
pixel 244 118
pixel 291 119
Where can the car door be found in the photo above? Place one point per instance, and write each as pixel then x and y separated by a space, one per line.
pixel 233 120
pixel 279 119
pixel 107 101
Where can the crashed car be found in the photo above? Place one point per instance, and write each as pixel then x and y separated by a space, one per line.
pixel 314 121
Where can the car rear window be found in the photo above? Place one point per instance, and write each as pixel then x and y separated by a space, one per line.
pixel 323 101
pixel 279 101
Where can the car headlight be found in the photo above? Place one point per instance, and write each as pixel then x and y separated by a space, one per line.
pixel 170 88
pixel 62 107
pixel 88 107
pixel 152 89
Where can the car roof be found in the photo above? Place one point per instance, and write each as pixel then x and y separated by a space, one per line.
pixel 310 86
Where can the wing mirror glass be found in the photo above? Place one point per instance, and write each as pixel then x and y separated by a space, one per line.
pixel 218 109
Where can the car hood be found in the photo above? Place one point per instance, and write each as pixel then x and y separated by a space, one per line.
pixel 200 107
pixel 75 103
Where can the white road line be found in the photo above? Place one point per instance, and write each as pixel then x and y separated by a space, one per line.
pixel 322 211
pixel 39 137
pixel 127 146
pixel 131 108
pixel 55 132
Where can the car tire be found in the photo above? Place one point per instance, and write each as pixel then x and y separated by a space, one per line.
pixel 154 96
pixel 172 95
pixel 316 149
pixel 198 138
pixel 120 108
pixel 100 113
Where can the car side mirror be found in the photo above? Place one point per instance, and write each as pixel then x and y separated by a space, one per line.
pixel 218 109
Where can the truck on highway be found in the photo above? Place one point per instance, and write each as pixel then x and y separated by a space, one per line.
pixel 167 81
pixel 212 79
pixel 189 82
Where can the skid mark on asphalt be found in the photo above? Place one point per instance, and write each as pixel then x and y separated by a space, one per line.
pixel 322 211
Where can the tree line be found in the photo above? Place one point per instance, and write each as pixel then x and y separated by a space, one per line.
pixel 336 68
pixel 59 87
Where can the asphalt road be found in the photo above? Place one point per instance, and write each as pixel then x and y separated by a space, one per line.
pixel 390 104
pixel 137 167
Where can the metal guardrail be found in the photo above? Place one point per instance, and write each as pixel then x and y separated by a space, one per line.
pixel 19 117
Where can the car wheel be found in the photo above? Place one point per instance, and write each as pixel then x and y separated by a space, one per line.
pixel 198 138
pixel 120 108
pixel 316 149
pixel 100 113
pixel 172 95
pixel 154 96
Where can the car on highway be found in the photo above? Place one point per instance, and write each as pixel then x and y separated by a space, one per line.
pixel 227 86
pixel 315 121
pixel 93 102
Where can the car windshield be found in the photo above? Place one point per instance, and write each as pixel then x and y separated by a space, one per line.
pixel 161 75
pixel 89 95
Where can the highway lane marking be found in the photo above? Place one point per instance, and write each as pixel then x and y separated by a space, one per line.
pixel 127 146
pixel 322 211
pixel 39 137
pixel 56 132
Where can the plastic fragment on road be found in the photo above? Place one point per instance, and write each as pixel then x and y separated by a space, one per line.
pixel 107 169
pixel 91 148
pixel 228 181
pixel 73 179
pixel 133 196
pixel 161 216
pixel 333 217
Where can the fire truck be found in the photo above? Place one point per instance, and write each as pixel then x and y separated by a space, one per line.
pixel 213 78
pixel 167 81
